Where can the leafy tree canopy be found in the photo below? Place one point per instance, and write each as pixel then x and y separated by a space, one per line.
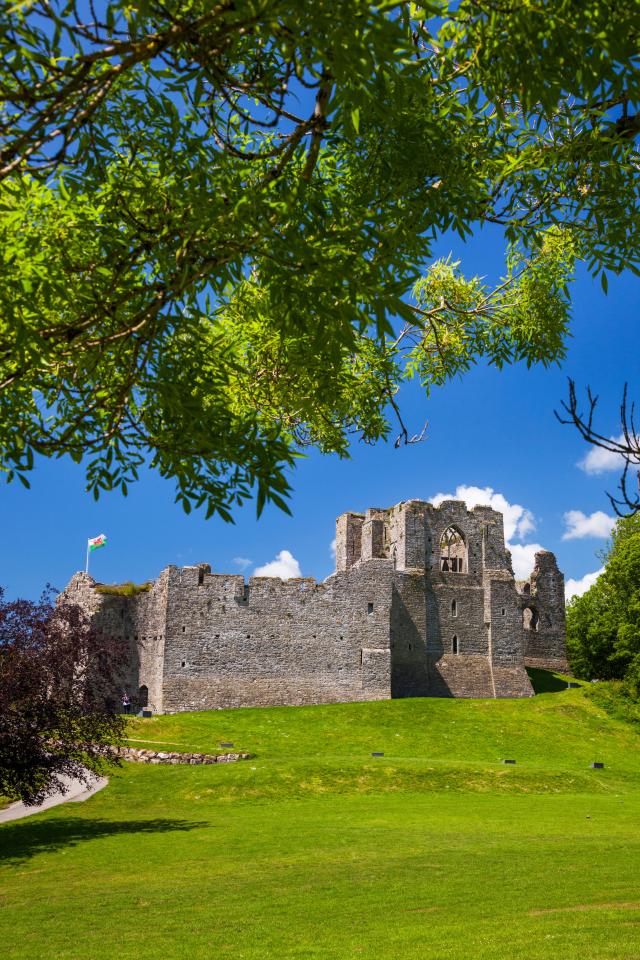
pixel 216 220
pixel 60 684
pixel 603 625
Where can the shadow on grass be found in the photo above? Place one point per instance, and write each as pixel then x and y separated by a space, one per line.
pixel 544 681
pixel 19 841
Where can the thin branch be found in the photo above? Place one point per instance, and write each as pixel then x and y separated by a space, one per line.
pixel 626 446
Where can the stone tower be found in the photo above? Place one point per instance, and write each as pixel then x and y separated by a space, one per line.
pixel 460 625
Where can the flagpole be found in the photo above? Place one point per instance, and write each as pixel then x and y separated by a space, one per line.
pixel 86 568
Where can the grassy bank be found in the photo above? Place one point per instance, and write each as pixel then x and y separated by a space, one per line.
pixel 316 849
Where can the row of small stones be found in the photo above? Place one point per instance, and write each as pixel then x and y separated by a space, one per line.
pixel 153 756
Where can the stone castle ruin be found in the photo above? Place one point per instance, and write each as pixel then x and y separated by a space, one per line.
pixel 423 603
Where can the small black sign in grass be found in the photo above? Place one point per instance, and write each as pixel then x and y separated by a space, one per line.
pixel 597 765
pixel 377 754
pixel 507 761
pixel 226 744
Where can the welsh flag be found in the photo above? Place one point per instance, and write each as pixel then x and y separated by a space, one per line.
pixel 96 542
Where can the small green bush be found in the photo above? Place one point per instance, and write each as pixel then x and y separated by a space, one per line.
pixel 128 589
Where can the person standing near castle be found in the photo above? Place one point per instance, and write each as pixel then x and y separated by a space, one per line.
pixel 126 703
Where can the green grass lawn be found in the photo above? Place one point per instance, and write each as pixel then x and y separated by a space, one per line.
pixel 316 849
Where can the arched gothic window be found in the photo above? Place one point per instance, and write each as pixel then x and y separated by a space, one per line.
pixel 453 551
pixel 530 619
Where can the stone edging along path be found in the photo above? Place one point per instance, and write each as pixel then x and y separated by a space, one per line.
pixel 135 755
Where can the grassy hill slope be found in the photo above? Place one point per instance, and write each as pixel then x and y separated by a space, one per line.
pixel 316 849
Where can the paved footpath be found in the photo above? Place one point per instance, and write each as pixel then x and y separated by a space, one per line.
pixel 76 792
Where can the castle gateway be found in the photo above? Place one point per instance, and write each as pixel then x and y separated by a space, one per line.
pixel 423 603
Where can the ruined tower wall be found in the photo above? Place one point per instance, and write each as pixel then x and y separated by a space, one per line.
pixel 509 676
pixel 409 676
pixel 148 613
pixel 544 643
pixel 137 620
pixel 458 649
pixel 348 539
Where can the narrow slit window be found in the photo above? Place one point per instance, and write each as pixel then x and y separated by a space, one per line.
pixel 454 645
pixel 369 608
pixel 454 608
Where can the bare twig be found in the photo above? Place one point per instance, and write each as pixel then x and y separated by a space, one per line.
pixel 626 446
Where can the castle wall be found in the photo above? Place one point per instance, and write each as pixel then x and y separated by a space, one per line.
pixel 272 642
pixel 394 620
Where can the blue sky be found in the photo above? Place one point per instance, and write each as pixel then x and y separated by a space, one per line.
pixel 488 430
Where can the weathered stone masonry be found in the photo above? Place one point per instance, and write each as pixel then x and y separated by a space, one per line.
pixel 423 602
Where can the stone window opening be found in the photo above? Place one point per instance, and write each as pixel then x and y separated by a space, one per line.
pixel 452 551
pixel 183 663
pixel 454 644
pixel 200 576
pixel 143 696
pixel 369 608
pixel 454 608
pixel 184 629
pixel 530 619
pixel 503 612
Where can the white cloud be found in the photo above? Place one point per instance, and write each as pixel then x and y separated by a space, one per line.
pixel 332 548
pixel 284 566
pixel 518 521
pixel 523 558
pixel 575 588
pixel 242 562
pixel 599 461
pixel 579 525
